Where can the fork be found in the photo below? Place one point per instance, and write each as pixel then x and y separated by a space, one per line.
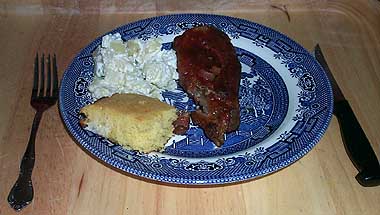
pixel 43 97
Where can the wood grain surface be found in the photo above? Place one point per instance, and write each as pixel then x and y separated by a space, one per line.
pixel 69 181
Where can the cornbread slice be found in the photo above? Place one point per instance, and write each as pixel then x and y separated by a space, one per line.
pixel 136 121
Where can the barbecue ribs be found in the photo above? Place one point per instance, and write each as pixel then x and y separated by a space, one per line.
pixel 209 71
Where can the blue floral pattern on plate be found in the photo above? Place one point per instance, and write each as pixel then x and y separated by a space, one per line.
pixel 285 103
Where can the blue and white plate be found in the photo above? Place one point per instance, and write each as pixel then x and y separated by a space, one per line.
pixel 285 103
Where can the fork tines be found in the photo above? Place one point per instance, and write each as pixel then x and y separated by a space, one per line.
pixel 45 85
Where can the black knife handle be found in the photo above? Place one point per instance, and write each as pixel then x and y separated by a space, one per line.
pixel 357 146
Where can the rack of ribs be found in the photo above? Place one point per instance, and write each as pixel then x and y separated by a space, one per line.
pixel 209 71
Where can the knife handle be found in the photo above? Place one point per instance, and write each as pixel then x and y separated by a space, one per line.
pixel 357 146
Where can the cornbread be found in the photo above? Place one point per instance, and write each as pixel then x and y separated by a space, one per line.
pixel 135 121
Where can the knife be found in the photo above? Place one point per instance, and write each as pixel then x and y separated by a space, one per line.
pixel 357 146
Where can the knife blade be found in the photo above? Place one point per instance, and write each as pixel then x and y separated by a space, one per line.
pixel 357 146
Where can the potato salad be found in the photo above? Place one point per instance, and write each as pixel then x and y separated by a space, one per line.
pixel 133 66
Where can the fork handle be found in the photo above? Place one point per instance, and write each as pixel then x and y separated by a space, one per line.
pixel 22 193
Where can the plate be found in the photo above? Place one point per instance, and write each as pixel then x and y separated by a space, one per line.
pixel 285 102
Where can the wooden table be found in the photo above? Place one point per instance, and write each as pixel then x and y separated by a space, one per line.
pixel 68 181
